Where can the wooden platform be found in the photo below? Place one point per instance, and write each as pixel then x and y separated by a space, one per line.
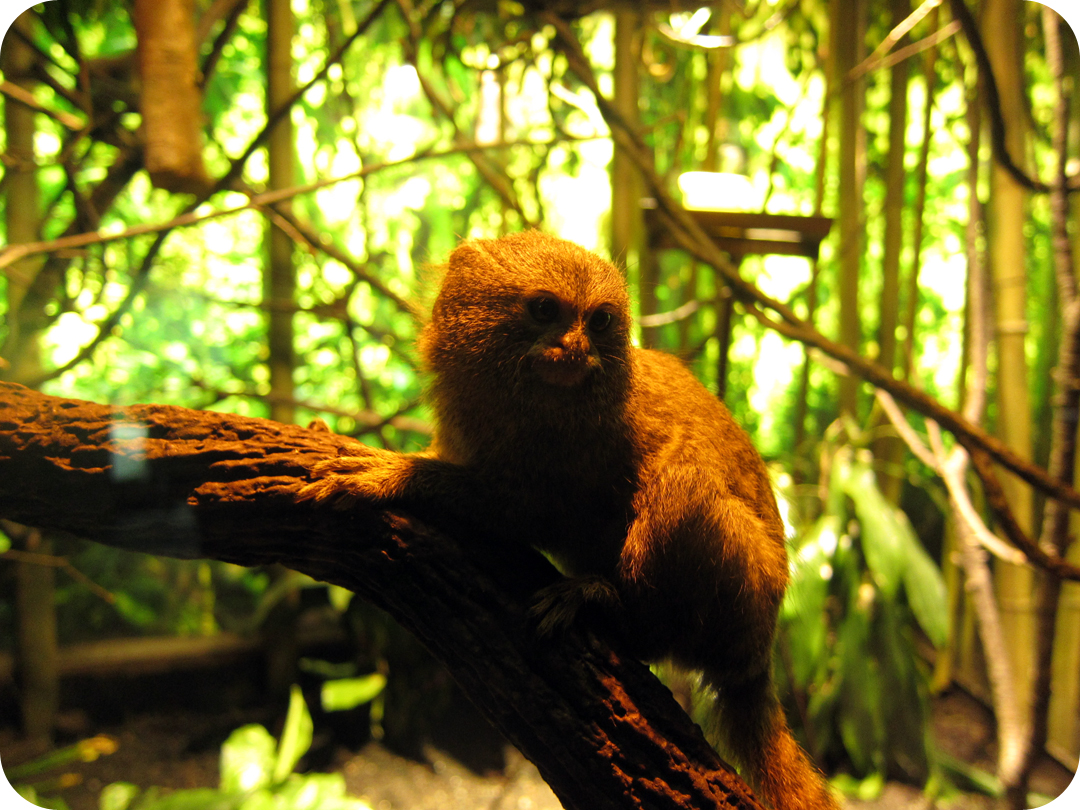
pixel 742 234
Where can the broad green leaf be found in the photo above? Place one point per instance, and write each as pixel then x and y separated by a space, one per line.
pixel 327 670
pixel 117 796
pixel 247 759
pixel 264 799
pixel 904 701
pixel 295 737
pixel 317 791
pixel 133 610
pixel 926 594
pixel 348 693
pixel 866 789
pixel 860 721
pixel 895 555
pixel 339 597
pixel 803 610
pixel 882 537
pixel 196 799
pixel 838 473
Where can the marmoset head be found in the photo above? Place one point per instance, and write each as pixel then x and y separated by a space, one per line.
pixel 531 310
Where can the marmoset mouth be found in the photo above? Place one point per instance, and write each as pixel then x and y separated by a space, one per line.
pixel 566 372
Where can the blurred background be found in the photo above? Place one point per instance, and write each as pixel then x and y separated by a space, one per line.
pixel 233 205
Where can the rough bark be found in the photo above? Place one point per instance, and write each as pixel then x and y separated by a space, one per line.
pixel 165 480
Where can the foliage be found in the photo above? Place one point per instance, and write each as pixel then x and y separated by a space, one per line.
pixel 861 584
pixel 257 771
pixel 34 782
pixel 256 774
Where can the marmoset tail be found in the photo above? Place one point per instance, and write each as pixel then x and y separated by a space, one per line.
pixel 551 427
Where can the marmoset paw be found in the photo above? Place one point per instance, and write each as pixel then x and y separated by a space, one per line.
pixel 343 481
pixel 557 606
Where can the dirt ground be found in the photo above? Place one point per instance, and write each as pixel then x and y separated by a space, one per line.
pixel 180 750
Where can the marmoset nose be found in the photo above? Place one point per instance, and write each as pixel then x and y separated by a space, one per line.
pixel 575 342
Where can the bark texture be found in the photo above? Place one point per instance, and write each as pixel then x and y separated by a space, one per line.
pixel 165 480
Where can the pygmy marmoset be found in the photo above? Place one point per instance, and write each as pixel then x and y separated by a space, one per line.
pixel 552 427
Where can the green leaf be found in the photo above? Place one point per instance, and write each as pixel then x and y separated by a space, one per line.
pixel 838 473
pixel 27 792
pixel 860 722
pixel 926 594
pixel 895 555
pixel 117 796
pixel 135 612
pixel 803 612
pixel 883 527
pixel 295 737
pixel 904 704
pixel 327 670
pixel 264 799
pixel 339 597
pixel 313 791
pixel 867 789
pixel 247 759
pixel 348 693
pixel 196 799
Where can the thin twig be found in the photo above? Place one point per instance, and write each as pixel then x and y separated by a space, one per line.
pixel 905 430
pixel 17 93
pixel 894 36
pixel 63 563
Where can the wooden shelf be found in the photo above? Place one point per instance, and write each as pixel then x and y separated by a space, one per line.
pixel 742 234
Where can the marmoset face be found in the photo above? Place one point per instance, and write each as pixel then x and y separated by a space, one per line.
pixel 533 311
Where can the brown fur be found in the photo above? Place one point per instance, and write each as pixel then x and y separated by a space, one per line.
pixel 552 428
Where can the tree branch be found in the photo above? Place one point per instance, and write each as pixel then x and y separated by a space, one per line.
pixel 165 480
pixel 963 14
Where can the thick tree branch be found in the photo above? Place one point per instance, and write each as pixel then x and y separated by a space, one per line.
pixel 165 480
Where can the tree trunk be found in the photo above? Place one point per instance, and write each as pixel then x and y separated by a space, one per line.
pixel 22 213
pixel 279 275
pixel 35 604
pixel 170 99
pixel 627 228
pixel 845 40
pixel 888 448
pixel 1002 25
pixel 911 310
pixel 1055 538
pixel 895 176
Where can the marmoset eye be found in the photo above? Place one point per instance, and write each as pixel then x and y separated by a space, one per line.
pixel 600 320
pixel 544 310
